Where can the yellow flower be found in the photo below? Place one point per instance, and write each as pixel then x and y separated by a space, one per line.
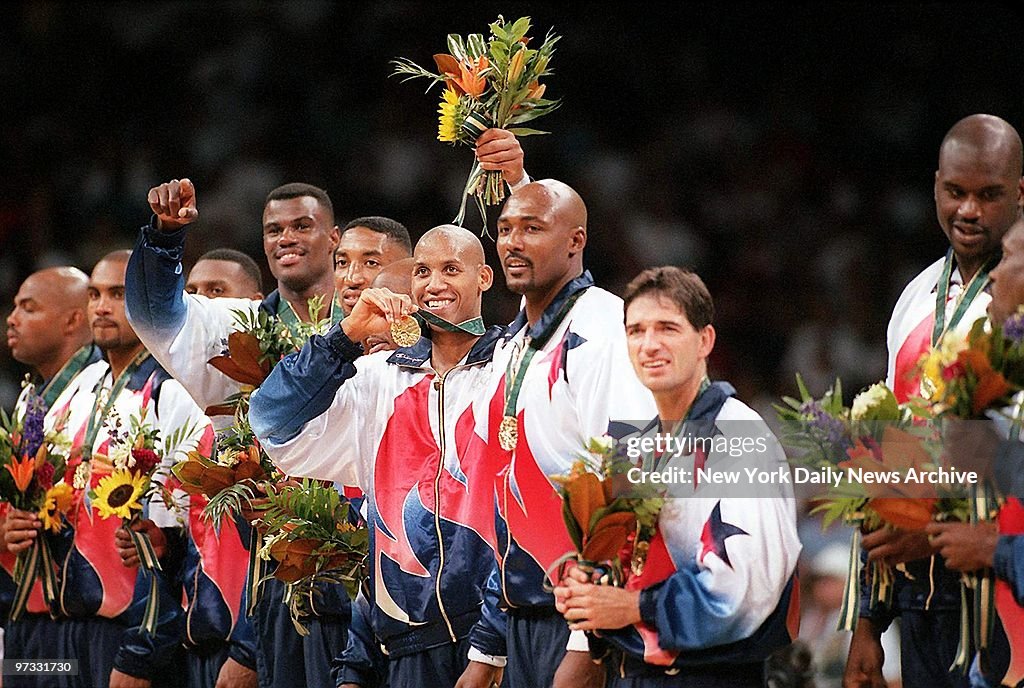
pixel 448 125
pixel 55 504
pixel 118 494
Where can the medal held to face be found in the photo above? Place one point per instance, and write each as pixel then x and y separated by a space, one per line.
pixel 406 331
pixel 508 433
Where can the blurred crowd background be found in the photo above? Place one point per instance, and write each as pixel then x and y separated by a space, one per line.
pixel 786 153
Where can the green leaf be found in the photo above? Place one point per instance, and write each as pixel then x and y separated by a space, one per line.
pixel 524 131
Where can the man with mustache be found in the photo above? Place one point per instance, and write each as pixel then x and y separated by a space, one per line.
pixel 399 426
pixel 978 191
pixel 100 602
pixel 562 377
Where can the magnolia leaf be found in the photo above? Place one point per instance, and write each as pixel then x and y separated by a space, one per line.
pixel 585 495
pixel 609 536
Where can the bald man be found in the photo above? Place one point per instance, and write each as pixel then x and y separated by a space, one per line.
pixel 399 425
pixel 48 329
pixel 562 376
pixel 978 191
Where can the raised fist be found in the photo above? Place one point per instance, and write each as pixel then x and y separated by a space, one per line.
pixel 174 204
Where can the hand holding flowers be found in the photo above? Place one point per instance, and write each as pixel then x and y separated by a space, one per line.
pixel 489 84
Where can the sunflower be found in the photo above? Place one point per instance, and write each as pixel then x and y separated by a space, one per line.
pixel 118 494
pixel 448 123
pixel 55 504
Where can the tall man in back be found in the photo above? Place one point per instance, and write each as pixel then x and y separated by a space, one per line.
pixel 978 191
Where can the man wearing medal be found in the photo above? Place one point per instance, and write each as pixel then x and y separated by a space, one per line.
pixel 399 425
pixel 185 331
pixel 562 377
pixel 716 595
pixel 100 602
pixel 978 191
pixel 212 581
pixel 48 330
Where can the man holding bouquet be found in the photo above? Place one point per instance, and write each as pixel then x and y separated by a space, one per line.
pixel 102 603
pixel 562 377
pixel 978 191
pixel 716 593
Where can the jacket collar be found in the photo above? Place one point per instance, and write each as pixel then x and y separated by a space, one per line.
pixel 584 281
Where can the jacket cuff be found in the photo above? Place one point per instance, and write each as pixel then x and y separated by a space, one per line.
pixel 340 344
pixel 160 239
pixel 243 655
pixel 649 606
pixel 132 664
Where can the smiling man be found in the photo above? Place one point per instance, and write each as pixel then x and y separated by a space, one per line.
pixel 399 425
pixel 718 590
pixel 184 331
pixel 368 245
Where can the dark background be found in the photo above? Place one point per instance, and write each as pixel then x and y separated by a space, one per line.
pixel 786 153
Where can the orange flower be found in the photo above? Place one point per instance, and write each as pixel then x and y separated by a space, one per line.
pixel 992 386
pixel 22 471
pixel 465 77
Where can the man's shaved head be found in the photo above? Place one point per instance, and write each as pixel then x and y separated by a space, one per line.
pixel 978 188
pixel 450 273
pixel 542 232
pixel 49 323
pixel 458 239
pixel 395 276
pixel 987 137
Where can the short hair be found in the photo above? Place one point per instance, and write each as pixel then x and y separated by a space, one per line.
pixel 243 260
pixel 683 287
pixel 392 229
pixel 299 190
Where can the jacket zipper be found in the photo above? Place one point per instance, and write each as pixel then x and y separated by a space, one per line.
pixel 437 504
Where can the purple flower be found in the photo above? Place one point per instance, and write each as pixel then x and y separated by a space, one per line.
pixel 1013 328
pixel 32 426
pixel 825 427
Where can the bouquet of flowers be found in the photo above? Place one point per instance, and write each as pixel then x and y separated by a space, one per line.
pixel 610 521
pixel 493 82
pixel 34 462
pixel 136 456
pixel 967 377
pixel 234 478
pixel 256 346
pixel 875 435
pixel 311 534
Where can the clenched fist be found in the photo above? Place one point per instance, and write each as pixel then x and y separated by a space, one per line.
pixel 174 204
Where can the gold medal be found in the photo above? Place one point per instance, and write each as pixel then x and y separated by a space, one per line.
pixel 508 433
pixel 82 474
pixel 405 332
